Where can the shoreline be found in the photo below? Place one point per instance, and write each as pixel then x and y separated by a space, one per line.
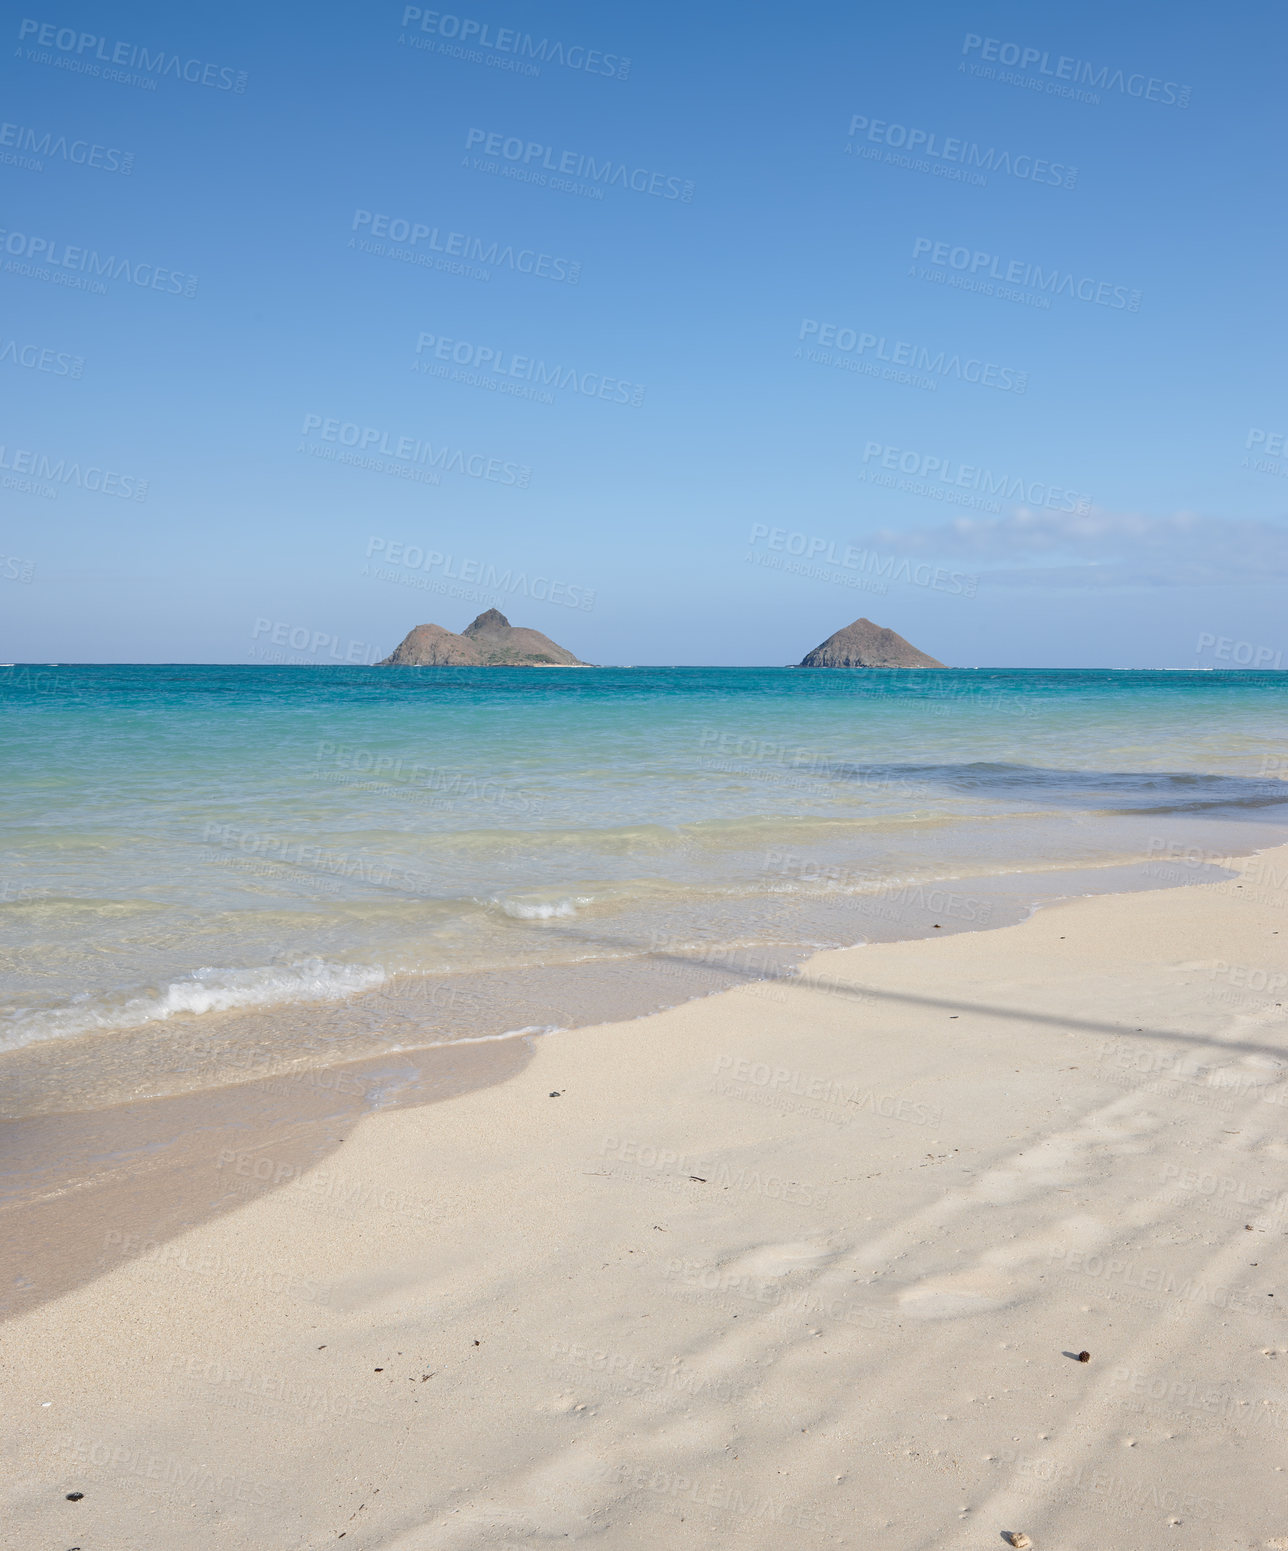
pixel 619 979
pixel 145 1156
pixel 668 1278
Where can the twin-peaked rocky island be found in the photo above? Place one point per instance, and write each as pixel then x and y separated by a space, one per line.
pixel 493 642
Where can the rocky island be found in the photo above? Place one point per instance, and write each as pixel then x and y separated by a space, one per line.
pixel 490 642
pixel 865 645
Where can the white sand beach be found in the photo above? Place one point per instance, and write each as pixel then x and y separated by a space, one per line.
pixel 798 1264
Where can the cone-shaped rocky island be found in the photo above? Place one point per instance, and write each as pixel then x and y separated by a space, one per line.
pixel 490 642
pixel 865 645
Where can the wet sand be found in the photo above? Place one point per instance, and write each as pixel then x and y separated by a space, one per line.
pixel 808 1261
pixel 108 1140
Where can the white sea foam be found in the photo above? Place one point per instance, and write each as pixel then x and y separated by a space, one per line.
pixel 544 909
pixel 205 990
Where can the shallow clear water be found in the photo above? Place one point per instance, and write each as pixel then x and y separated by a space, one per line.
pixel 185 842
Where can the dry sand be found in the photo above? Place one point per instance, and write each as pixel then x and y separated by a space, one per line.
pixel 797 1265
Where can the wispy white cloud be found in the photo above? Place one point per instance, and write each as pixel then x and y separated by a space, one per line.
pixel 1102 549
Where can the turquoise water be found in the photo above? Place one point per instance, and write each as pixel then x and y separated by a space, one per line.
pixel 187 843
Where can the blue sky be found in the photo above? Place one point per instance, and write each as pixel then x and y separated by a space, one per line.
pixel 729 363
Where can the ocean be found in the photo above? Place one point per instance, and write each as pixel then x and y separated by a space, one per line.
pixel 215 872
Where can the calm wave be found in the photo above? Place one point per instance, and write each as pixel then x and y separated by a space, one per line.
pixel 182 843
